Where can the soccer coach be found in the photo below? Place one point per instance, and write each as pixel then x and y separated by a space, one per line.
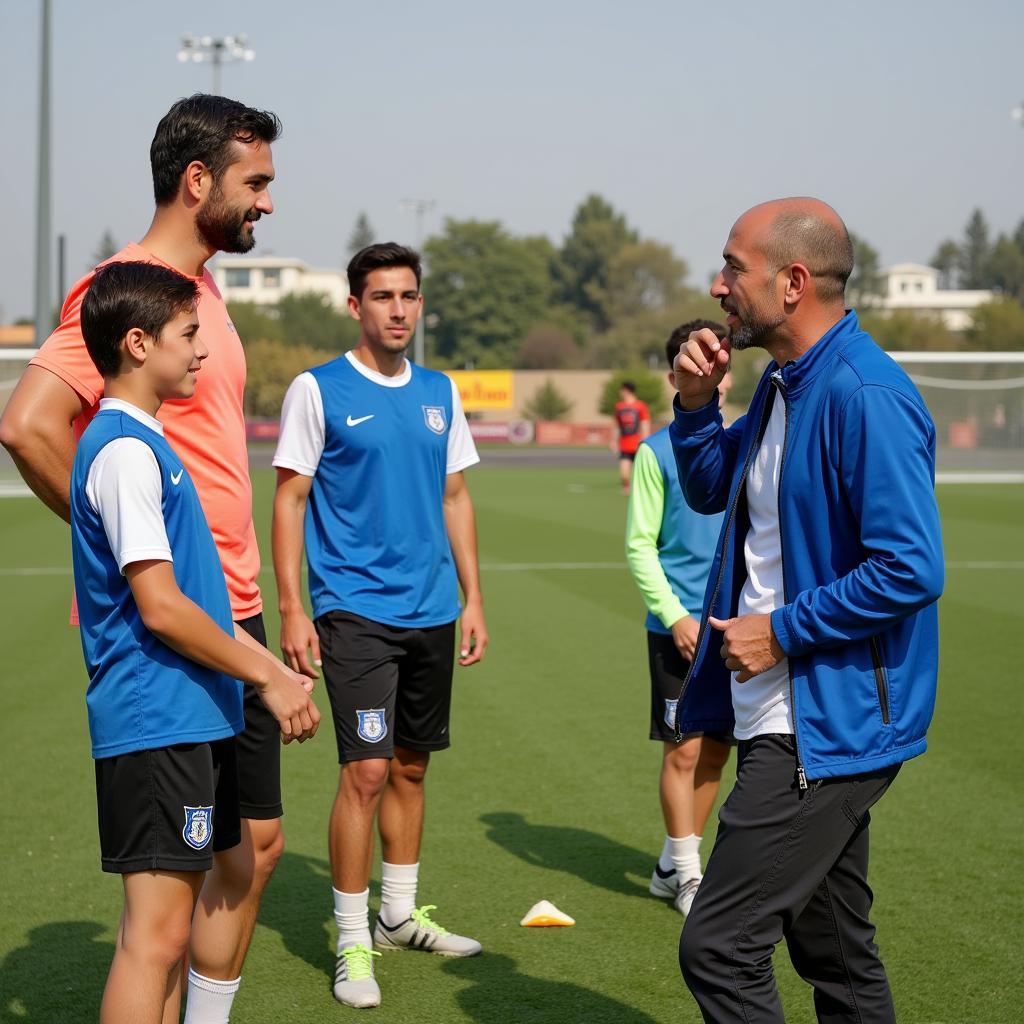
pixel 820 638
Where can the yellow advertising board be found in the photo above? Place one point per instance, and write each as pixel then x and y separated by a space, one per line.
pixel 483 389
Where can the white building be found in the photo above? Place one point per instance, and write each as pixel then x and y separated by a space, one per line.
pixel 915 287
pixel 265 280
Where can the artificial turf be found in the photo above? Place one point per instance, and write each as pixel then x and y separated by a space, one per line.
pixel 548 792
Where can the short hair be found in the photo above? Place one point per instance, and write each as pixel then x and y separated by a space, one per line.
pixel 203 127
pixel 823 245
pixel 628 385
pixel 123 296
pixel 683 331
pixel 379 256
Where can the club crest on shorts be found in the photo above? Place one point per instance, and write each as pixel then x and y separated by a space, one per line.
pixel 670 712
pixel 435 418
pixel 372 726
pixel 198 830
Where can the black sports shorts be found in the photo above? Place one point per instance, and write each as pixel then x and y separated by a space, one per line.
pixel 668 670
pixel 388 685
pixel 258 748
pixel 168 809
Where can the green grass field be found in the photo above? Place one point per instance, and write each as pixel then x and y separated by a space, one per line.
pixel 548 792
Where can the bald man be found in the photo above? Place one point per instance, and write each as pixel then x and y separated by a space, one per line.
pixel 819 642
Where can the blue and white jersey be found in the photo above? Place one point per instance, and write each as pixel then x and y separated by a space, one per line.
pixel 379 450
pixel 132 500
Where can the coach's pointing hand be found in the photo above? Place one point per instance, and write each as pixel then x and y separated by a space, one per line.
pixel 749 646
pixel 699 367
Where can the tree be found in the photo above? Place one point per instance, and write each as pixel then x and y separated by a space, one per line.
pixel 1005 268
pixel 487 289
pixel 362 234
pixel 866 283
pixel 253 324
pixel 997 326
pixel 272 366
pixel 547 347
pixel 947 261
pixel 974 252
pixel 310 319
pixel 547 403
pixel 642 277
pixel 650 388
pixel 905 330
pixel 584 267
pixel 106 248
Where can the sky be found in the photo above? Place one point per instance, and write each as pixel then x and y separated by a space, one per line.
pixel 681 114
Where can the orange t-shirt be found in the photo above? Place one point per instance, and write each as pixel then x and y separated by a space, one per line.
pixel 207 431
pixel 629 416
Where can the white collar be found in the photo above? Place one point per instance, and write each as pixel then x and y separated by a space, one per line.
pixel 380 378
pixel 120 405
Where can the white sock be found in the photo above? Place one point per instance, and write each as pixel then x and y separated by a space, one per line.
pixel 209 1000
pixel 685 855
pixel 397 892
pixel 352 915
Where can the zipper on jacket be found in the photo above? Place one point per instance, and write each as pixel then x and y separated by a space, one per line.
pixel 780 384
pixel 880 683
pixel 703 628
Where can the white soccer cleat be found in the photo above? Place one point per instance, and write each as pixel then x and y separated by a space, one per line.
pixel 546 915
pixel 419 932
pixel 664 884
pixel 354 983
pixel 686 894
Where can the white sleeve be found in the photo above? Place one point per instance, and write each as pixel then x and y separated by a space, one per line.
pixel 301 441
pixel 124 487
pixel 462 451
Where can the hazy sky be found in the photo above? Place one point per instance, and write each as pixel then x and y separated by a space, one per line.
pixel 681 114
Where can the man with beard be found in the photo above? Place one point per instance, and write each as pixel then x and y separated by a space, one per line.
pixel 820 642
pixel 370 480
pixel 212 166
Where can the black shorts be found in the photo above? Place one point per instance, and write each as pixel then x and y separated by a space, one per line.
pixel 628 456
pixel 668 670
pixel 168 809
pixel 258 748
pixel 388 685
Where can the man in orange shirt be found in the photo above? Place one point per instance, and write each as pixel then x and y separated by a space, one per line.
pixel 212 166
pixel 633 420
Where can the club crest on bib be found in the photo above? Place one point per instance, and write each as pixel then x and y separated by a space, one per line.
pixel 670 712
pixel 435 418
pixel 198 830
pixel 372 726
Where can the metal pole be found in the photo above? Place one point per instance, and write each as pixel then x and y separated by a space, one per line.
pixel 419 207
pixel 44 285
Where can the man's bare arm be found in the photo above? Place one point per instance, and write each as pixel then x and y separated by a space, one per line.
pixel 36 428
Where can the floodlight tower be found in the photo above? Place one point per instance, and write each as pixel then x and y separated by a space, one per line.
pixel 215 50
pixel 419 207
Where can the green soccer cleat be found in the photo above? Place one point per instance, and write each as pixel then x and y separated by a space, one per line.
pixel 354 983
pixel 419 932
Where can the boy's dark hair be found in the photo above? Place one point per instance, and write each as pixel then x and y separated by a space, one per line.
pixel 628 385
pixel 126 295
pixel 203 127
pixel 683 331
pixel 377 256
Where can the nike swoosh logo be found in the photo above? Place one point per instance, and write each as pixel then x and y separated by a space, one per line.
pixel 355 422
pixel 664 874
pixel 176 478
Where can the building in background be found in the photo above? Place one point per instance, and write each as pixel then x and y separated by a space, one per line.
pixel 265 280
pixel 915 287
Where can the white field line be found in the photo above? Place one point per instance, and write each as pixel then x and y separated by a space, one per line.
pixel 995 566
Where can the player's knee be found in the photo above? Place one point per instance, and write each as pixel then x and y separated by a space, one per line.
pixel 163 944
pixel 714 755
pixel 696 954
pixel 683 756
pixel 413 772
pixel 366 779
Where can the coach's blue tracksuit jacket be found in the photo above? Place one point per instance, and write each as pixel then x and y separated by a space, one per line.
pixel 861 552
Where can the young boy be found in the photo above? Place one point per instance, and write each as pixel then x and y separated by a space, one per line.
pixel 164 696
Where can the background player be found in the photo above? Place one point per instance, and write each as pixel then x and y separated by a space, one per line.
pixel 669 549
pixel 212 167
pixel 157 638
pixel 633 420
pixel 376 447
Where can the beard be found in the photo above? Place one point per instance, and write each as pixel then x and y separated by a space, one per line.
pixel 754 328
pixel 223 228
